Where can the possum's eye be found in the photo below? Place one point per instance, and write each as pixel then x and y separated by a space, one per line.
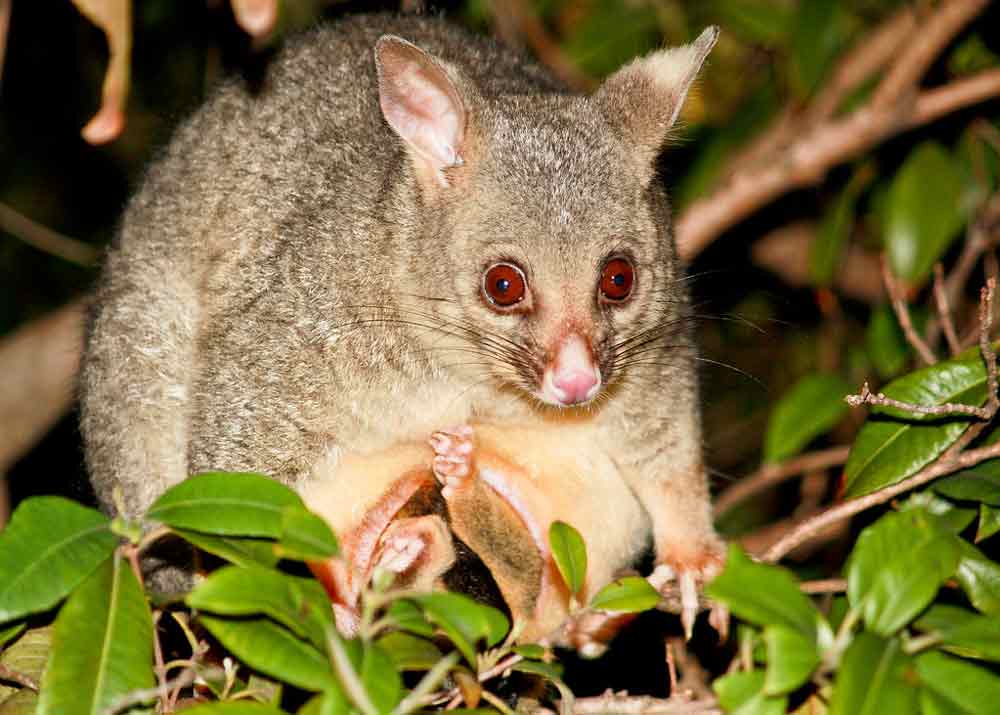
pixel 504 285
pixel 617 279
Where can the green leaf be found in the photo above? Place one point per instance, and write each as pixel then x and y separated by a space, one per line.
pixel 530 650
pixel 50 545
pixel 20 702
pixel 300 604
pixel 102 644
pixel 551 671
pixel 971 688
pixel 464 621
pixel 963 632
pixel 409 652
pixel 923 214
pixel 948 516
pixel 981 484
pixel 332 702
pixel 820 32
pixel 971 55
pixel 569 553
pixel 630 594
pixel 764 595
pixel 893 445
pixel 305 536
pixel 791 659
pixel 759 21
pixel 9 633
pixel 813 405
pixel 743 694
pixel 233 707
pixel 380 678
pixel 827 250
pixel 611 34
pixel 271 649
pixel 26 655
pixel 897 566
pixel 979 578
pixel 875 678
pixel 226 504
pixel 885 343
pixel 240 550
pixel 406 616
pixel 989 522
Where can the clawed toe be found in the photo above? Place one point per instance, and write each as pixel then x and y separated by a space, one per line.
pixel 452 462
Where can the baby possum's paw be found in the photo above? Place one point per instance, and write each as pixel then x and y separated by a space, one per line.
pixel 417 549
pixel 680 579
pixel 452 463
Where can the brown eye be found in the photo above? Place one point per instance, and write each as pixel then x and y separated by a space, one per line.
pixel 617 279
pixel 504 285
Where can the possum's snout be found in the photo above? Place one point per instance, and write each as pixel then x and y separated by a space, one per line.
pixel 573 377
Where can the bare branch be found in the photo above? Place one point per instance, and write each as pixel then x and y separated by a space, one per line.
pixel 770 475
pixel 806 161
pixel 985 346
pixel 45 239
pixel 866 397
pixel 903 316
pixel 944 310
pixel 13 676
pixel 936 33
pixel 826 585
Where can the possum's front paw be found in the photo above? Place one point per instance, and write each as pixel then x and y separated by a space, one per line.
pixel 452 463
pixel 680 578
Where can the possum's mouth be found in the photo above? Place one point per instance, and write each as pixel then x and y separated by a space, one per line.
pixel 572 377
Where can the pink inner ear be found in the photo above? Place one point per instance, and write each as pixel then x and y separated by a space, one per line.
pixel 420 103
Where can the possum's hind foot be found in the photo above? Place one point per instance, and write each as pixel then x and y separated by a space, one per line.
pixel 452 463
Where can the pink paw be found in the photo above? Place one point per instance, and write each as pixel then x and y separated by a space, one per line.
pixel 452 463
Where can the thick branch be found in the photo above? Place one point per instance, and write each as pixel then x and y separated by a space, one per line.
pixel 935 34
pixel 38 366
pixel 772 474
pixel 807 160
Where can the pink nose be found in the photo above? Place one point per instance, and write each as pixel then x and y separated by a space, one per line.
pixel 575 386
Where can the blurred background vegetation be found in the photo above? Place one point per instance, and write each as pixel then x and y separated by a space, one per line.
pixel 791 291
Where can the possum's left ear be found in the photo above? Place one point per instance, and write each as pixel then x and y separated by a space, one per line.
pixel 644 98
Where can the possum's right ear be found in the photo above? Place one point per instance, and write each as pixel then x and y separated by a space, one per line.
pixel 421 101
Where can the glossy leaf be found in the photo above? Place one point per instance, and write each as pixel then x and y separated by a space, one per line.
pixel 408 617
pixel 300 604
pixel 569 553
pixel 239 550
pixel 305 536
pixel 464 621
pixel 381 678
pixel 979 578
pixel 50 545
pixel 810 408
pixel 791 659
pixel 989 522
pixel 765 23
pixel 550 671
pixel 923 214
pixel 897 566
pixel 409 652
pixel 273 650
pixel 630 594
pixel 963 632
pixel 948 516
pixel 331 702
pixel 893 445
pixel 973 689
pixel 9 633
pixel 102 644
pixel 532 651
pixel 885 343
pixel 827 249
pixel 875 678
pixel 763 594
pixel 226 504
pixel 981 484
pixel 820 31
pixel 743 694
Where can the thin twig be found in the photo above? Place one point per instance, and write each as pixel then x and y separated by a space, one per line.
pixel 866 397
pixel 944 310
pixel 985 345
pixel 45 239
pixel 771 474
pixel 902 311
pixel 13 676
pixel 671 668
pixel 826 585
pixel 182 680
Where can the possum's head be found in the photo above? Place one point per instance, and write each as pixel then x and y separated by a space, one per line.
pixel 545 242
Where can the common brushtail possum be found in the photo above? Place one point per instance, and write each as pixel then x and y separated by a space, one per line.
pixel 407 228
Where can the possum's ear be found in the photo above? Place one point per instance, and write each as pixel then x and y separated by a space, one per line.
pixel 644 98
pixel 421 101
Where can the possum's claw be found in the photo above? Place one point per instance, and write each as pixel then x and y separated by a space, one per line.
pixel 452 463
pixel 685 596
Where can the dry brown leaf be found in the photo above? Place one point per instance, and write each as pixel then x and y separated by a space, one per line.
pixel 257 17
pixel 114 17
